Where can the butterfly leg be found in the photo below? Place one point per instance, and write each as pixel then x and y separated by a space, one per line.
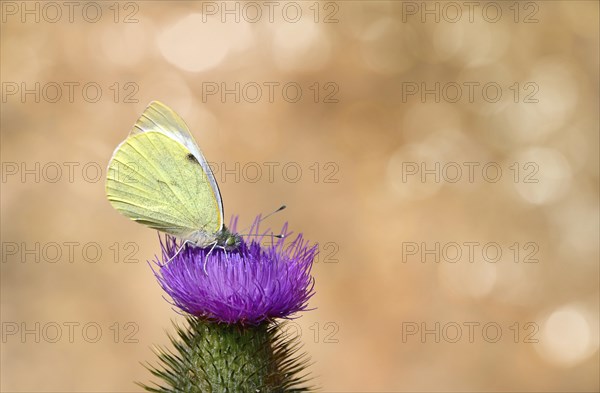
pixel 206 257
pixel 178 251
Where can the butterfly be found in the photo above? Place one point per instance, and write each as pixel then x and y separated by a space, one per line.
pixel 159 177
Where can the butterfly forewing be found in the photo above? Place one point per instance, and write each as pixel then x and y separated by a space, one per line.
pixel 157 181
pixel 158 117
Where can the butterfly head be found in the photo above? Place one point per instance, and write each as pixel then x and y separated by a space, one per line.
pixel 228 240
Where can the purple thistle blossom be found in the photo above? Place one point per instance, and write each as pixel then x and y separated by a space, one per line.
pixel 248 285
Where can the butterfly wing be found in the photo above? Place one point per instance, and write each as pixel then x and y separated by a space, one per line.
pixel 157 117
pixel 157 181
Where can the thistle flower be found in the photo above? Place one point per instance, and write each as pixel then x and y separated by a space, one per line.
pixel 262 279
pixel 232 341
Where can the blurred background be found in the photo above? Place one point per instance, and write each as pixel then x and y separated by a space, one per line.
pixel 443 155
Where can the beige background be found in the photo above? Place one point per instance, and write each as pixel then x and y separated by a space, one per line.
pixel 363 205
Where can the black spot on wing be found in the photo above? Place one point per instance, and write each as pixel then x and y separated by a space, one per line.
pixel 192 158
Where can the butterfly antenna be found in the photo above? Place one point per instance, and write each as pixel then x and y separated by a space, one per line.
pixel 280 236
pixel 273 212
